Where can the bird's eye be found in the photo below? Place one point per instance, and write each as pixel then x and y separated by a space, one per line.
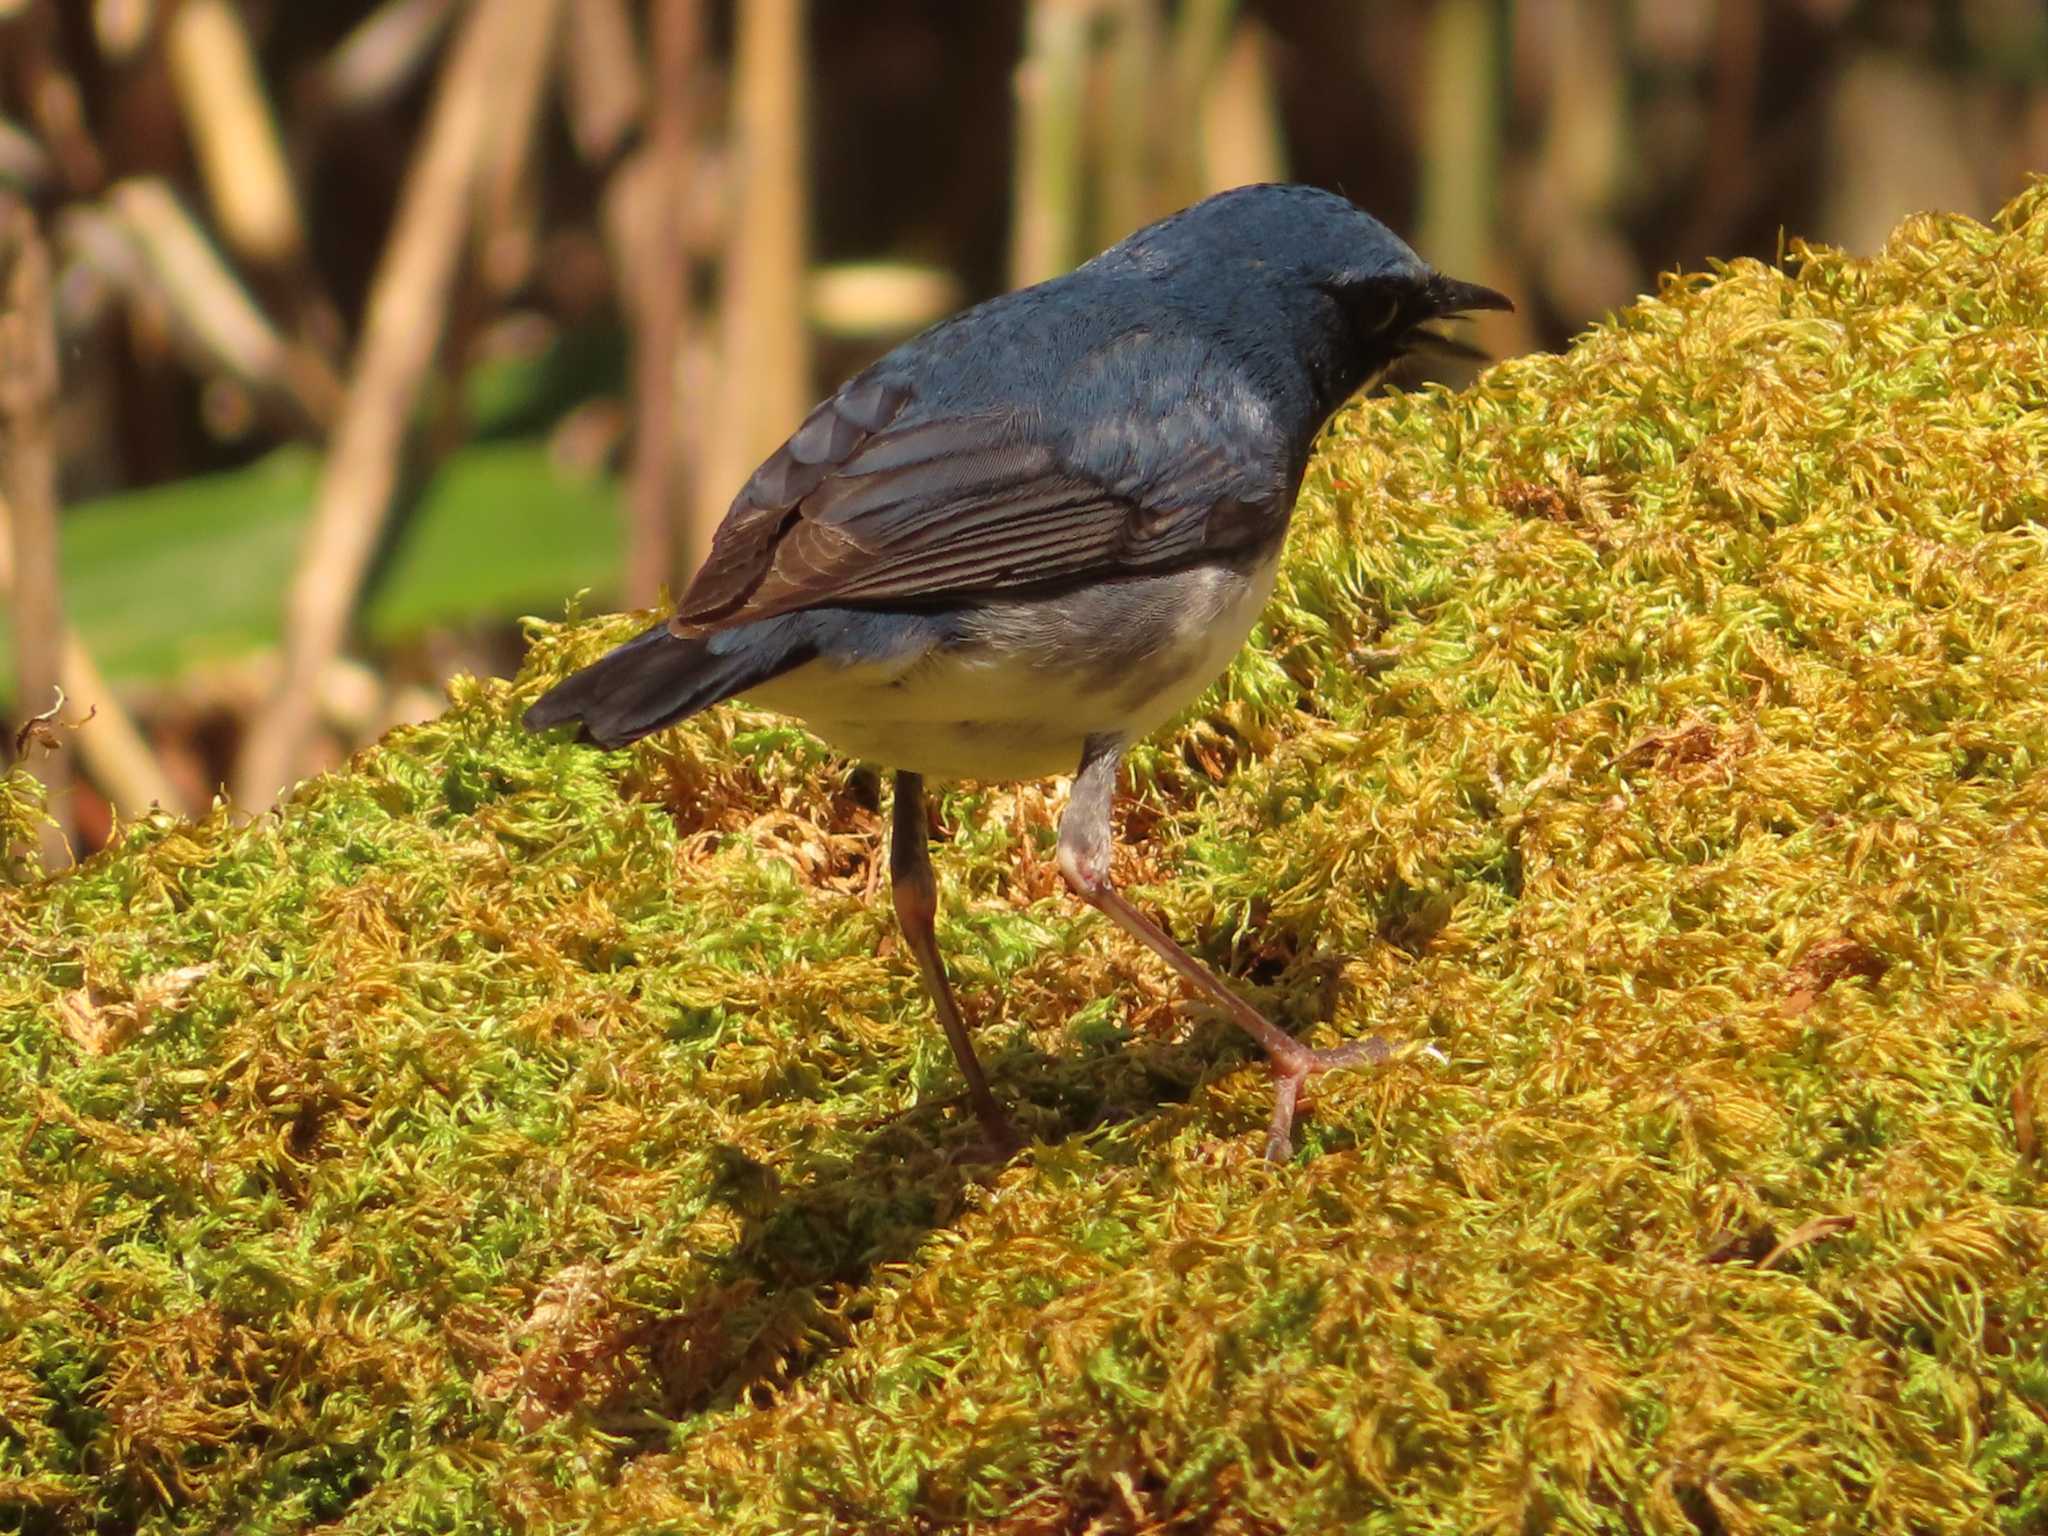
pixel 1375 315
pixel 1369 308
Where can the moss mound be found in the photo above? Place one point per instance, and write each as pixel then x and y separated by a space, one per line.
pixel 505 1136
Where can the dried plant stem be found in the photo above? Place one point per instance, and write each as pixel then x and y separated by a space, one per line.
pixel 121 27
pixel 764 381
pixel 405 318
pixel 1128 104
pixel 28 480
pixel 234 134
pixel 603 93
pixel 1242 140
pixel 216 318
pixel 1574 178
pixel 661 304
pixel 1201 31
pixel 384 54
pixel 1728 175
pixel 116 754
pixel 508 214
pixel 1045 221
pixel 1460 136
pixel 44 86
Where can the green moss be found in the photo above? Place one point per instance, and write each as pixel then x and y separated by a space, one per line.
pixel 505 1135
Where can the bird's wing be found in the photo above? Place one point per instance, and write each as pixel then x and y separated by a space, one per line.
pixel 872 501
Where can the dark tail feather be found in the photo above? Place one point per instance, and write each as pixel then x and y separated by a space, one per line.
pixel 656 679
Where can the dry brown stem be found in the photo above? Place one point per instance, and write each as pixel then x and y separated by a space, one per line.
pixel 1241 135
pixel 508 214
pixel 1045 219
pixel 1128 120
pixel 403 325
pixel 602 90
pixel 221 326
pixel 234 134
pixel 662 273
pixel 1460 141
pixel 383 55
pixel 764 382
pixel 28 483
pixel 116 754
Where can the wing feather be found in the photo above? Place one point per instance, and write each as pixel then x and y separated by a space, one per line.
pixel 846 511
pixel 879 497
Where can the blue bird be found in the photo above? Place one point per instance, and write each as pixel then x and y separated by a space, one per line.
pixel 1029 536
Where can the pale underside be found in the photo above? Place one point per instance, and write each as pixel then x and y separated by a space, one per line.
pixel 1033 678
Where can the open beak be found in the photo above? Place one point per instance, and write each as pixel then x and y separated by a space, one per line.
pixel 1448 296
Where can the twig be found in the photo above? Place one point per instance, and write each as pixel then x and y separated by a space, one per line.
pixel 40 80
pixel 602 90
pixel 40 730
pixel 508 205
pixel 1805 1234
pixel 1728 176
pixel 215 315
pixel 764 381
pixel 234 135
pixel 1242 140
pixel 661 276
pixel 401 331
pixel 1128 102
pixel 1201 31
pixel 1460 137
pixel 121 27
pixel 1045 219
pixel 116 754
pixel 383 55
pixel 28 484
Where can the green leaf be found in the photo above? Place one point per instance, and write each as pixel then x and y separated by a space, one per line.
pixel 167 580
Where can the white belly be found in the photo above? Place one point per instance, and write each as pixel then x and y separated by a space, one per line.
pixel 1034 679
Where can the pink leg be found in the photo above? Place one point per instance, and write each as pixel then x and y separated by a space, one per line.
pixel 916 892
pixel 1085 839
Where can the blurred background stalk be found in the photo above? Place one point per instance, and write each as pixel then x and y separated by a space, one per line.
pixel 1128 117
pixel 603 94
pixel 402 328
pixel 1045 222
pixel 1242 139
pixel 661 297
pixel 1200 33
pixel 28 482
pixel 234 135
pixel 763 360
pixel 1458 148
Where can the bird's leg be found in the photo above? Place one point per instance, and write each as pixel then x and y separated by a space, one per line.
pixel 916 892
pixel 1085 842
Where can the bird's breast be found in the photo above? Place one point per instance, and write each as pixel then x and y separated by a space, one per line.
pixel 1010 689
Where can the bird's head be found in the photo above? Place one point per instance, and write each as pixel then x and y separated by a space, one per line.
pixel 1308 269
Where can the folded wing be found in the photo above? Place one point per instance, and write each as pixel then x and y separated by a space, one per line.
pixel 870 503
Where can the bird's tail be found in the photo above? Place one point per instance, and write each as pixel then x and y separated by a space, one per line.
pixel 657 678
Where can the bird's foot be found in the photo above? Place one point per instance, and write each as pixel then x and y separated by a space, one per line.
pixel 1291 1071
pixel 999 1141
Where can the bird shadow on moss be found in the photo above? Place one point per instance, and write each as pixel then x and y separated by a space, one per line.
pixel 772 1310
pixel 793 1288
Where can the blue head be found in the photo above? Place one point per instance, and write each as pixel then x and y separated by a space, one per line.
pixel 1303 269
pixel 1304 233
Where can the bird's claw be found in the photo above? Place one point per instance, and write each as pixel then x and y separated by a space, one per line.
pixel 1292 1071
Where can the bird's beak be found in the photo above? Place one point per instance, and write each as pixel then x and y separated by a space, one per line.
pixel 1450 297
